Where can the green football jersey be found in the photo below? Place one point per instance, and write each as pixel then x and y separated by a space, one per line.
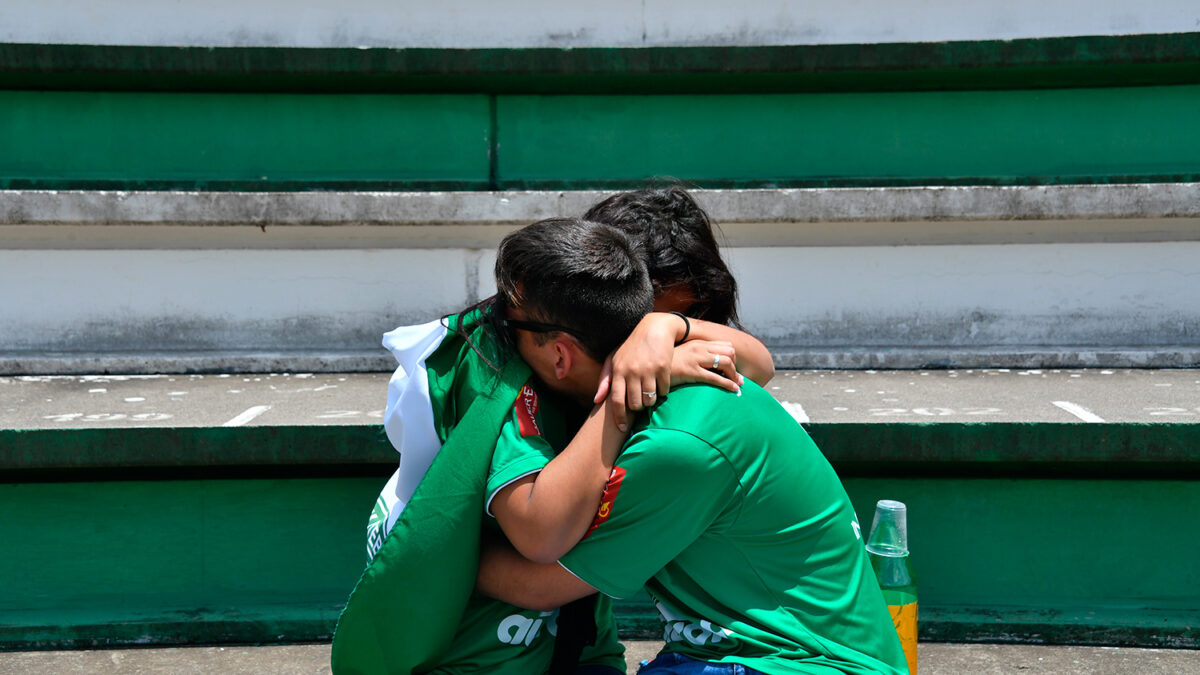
pixel 493 636
pixel 745 538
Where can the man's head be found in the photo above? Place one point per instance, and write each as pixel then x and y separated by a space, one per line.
pixel 572 291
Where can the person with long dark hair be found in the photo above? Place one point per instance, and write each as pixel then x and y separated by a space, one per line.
pixel 692 282
pixel 445 365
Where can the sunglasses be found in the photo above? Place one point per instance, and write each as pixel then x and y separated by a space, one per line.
pixel 536 327
pixel 508 327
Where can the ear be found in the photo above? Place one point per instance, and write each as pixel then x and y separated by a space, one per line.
pixel 564 358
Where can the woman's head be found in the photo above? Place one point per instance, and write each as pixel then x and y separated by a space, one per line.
pixel 681 252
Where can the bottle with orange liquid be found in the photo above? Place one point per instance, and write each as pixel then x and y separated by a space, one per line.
pixel 887 546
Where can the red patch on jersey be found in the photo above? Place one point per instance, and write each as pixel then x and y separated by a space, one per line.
pixel 606 502
pixel 527 407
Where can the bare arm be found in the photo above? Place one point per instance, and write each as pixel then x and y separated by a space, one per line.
pixel 505 575
pixel 652 361
pixel 546 513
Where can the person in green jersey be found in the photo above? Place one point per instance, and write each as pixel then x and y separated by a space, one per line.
pixel 720 505
pixel 690 279
pixel 562 515
pixel 444 369
pixel 441 370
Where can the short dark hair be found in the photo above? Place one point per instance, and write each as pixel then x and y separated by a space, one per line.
pixel 677 239
pixel 586 277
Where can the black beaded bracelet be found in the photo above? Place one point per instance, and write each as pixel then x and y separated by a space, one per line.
pixel 687 327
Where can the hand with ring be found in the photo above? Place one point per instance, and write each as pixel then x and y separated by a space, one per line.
pixel 640 368
pixel 712 363
pixel 650 362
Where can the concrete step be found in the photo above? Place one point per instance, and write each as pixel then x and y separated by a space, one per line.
pixel 891 277
pixel 819 396
pixel 934 659
pixel 1044 505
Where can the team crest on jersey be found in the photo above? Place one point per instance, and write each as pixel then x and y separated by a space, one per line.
pixel 606 502
pixel 527 408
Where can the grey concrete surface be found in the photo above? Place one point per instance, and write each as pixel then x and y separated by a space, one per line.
pixel 963 276
pixel 934 659
pixel 799 205
pixel 994 395
pixel 786 357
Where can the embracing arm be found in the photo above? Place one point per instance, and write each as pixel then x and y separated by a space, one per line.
pixel 546 513
pixel 652 360
pixel 505 575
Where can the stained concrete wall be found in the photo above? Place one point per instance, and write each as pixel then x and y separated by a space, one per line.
pixel 618 23
pixel 886 277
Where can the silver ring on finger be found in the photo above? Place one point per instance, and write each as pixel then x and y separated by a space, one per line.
pixel 716 361
pixel 650 395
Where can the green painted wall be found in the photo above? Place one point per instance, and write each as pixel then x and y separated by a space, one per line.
pixel 172 545
pixel 212 560
pixel 911 449
pixel 1078 135
pixel 1053 110
pixel 253 560
pixel 295 141
pixel 1039 544
pixel 1124 60
pixel 192 139
pixel 117 538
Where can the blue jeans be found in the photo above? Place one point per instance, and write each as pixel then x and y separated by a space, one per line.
pixel 678 664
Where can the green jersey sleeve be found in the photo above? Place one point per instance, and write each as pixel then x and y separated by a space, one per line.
pixel 667 489
pixel 522 448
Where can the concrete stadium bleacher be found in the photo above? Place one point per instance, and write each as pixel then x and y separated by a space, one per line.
pixel 1045 505
pixel 203 243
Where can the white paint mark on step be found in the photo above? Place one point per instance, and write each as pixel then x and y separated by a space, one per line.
pixel 246 416
pixel 797 411
pixel 1078 411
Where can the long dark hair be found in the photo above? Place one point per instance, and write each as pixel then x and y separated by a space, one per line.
pixel 677 239
pixel 491 320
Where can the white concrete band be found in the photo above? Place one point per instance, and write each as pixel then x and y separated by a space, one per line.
pixel 867 278
pixel 34 219
pixel 463 24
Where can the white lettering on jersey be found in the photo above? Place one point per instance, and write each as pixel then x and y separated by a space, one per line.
pixel 857 528
pixel 518 629
pixel 680 629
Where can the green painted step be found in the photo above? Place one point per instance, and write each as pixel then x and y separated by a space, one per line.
pixel 125 562
pixel 1124 60
pixel 1059 533
pixel 252 141
pixel 1068 450
pixel 1055 136
pixel 232 141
